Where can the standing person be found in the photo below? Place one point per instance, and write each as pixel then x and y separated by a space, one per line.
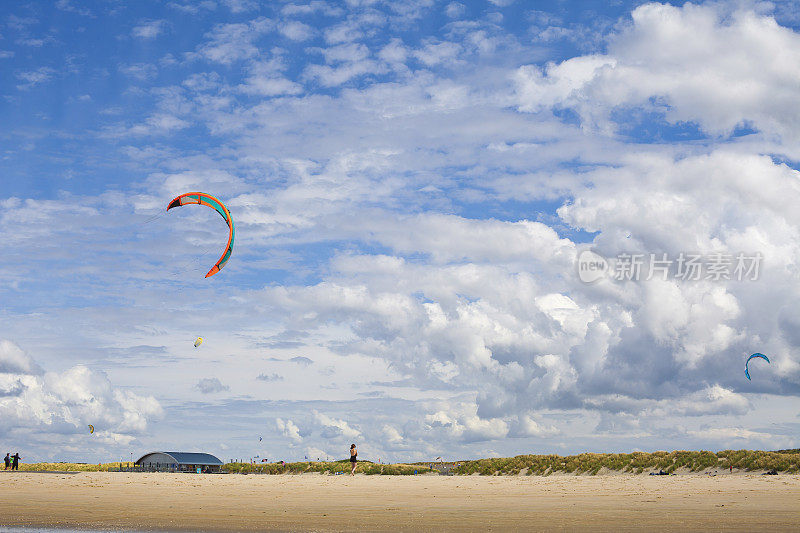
pixel 15 463
pixel 353 458
pixel 8 460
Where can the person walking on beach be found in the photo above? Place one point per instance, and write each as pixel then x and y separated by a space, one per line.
pixel 353 458
pixel 15 463
pixel 8 460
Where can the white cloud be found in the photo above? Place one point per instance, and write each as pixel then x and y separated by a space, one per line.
pixel 437 53
pixel 211 386
pixel 332 428
pixel 160 124
pixel 334 76
pixel 193 7
pixel 13 360
pixel 241 6
pixel 529 426
pixel 309 8
pixel 391 434
pixel 693 63
pixel 149 29
pixel 713 400
pixel 346 32
pixel 68 401
pixel 66 5
pixel 735 435
pixel 288 429
pixel 455 9
pixel 33 78
pixel 465 426
pixel 234 42
pixel 139 71
pixel 296 31
pixel 265 78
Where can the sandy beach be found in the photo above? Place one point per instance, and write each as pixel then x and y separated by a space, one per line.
pixel 696 502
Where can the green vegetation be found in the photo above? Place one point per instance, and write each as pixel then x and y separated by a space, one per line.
pixel 787 461
pixel 343 466
pixel 74 467
pixel 637 462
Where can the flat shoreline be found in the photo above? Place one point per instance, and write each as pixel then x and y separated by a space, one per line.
pixel 190 502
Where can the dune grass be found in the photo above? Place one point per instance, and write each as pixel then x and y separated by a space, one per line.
pixel 324 467
pixel 73 467
pixel 637 462
pixel 786 461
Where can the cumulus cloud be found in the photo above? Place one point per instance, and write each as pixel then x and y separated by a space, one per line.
pixel 391 434
pixel 296 30
pixel 333 428
pixel 13 360
pixel 455 9
pixel 266 78
pixel 288 429
pixel 670 59
pixel 345 62
pixel 211 386
pixel 66 402
pixel 463 424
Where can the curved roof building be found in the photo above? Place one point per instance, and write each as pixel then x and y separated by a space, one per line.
pixel 179 462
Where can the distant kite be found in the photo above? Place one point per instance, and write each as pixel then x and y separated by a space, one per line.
pixel 259 439
pixel 747 363
pixel 198 342
pixel 202 198
pixel 91 429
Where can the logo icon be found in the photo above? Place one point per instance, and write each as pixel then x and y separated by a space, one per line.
pixel 591 266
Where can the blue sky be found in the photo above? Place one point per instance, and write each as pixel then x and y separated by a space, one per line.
pixel 412 184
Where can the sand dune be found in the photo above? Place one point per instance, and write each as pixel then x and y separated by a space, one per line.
pixel 192 502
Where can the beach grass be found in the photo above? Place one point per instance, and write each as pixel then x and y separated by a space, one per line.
pixel 326 467
pixel 74 467
pixel 786 461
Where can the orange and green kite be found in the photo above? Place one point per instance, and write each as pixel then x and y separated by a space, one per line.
pixel 202 198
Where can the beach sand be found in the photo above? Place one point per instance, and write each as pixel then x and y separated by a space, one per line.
pixel 191 502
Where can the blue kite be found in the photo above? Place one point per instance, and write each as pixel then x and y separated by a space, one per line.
pixel 746 370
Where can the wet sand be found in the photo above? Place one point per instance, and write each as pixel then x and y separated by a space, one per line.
pixel 190 502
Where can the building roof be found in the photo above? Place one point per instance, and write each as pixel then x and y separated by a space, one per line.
pixel 188 458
